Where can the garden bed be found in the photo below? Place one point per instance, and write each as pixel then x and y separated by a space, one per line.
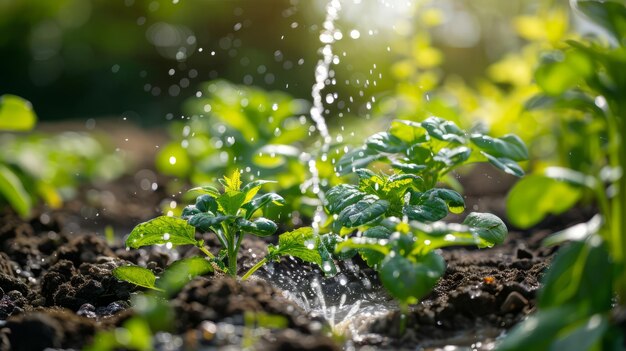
pixel 55 276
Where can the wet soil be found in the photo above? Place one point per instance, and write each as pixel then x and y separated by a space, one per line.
pixel 56 288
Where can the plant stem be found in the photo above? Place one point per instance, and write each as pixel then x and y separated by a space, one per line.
pixel 404 311
pixel 206 252
pixel 254 268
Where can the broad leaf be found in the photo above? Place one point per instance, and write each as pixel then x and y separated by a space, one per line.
pixel 342 196
pixel 364 211
pixel 206 203
pixel 509 146
pixel 487 226
pixel 507 165
pixel 162 230
pixel 385 142
pixel 453 157
pixel 536 196
pixel 230 202
pixel 233 183
pixel 252 188
pixel 303 244
pixel 444 130
pixel 409 280
pixel 408 167
pixel 16 114
pixel 206 190
pixel 433 205
pixel 136 275
pixel 206 222
pixel 374 257
pixel 408 131
pixel 330 242
pixel 259 227
pixel 261 201
pixel 355 159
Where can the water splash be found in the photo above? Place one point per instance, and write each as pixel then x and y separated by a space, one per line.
pixel 322 71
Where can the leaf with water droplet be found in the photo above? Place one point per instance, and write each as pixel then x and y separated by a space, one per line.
pixel 385 142
pixel 367 210
pixel 206 203
pixel 507 165
pixel 487 226
pixel 136 275
pixel 342 196
pixel 206 222
pixel 444 130
pixel 410 279
pixel 259 202
pixel 259 227
pixel 252 188
pixel 297 243
pixel 374 257
pixel 330 242
pixel 433 205
pixel 206 190
pixel 152 232
pixel 355 159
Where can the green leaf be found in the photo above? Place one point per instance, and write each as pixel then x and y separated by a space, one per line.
pixel 230 202
pixel 453 157
pixel 562 71
pixel 374 257
pixel 507 165
pixel 355 159
pixel 252 188
pixel 364 211
pixel 206 222
pixel 433 205
pixel 585 335
pixel 372 250
pixel 181 272
pixel 408 167
pixel 189 211
pixel 610 15
pixel 385 142
pixel 303 244
pixel 232 184
pixel 539 330
pixel 330 242
pixel 409 280
pixel 16 114
pixel 261 201
pixel 207 190
pixel 259 227
pixel 509 146
pixel 408 131
pixel 441 129
pixel 206 203
pixel 13 191
pixel 577 232
pixel 136 275
pixel 536 196
pixel 342 196
pixel 487 226
pixel 162 230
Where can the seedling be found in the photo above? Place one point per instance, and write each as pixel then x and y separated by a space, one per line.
pixel 397 215
pixel 229 216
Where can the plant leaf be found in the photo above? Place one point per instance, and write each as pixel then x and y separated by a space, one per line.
pixel 162 230
pixel 509 146
pixel 487 226
pixel 206 190
pixel 16 114
pixel 535 196
pixel 230 202
pixel 206 203
pixel 13 191
pixel 358 158
pixel 507 165
pixel 136 275
pixel 408 280
pixel 408 131
pixel 261 201
pixel 303 244
pixel 367 210
pixel 252 188
pixel 342 196
pixel 385 142
pixel 441 129
pixel 259 227
pixel 207 221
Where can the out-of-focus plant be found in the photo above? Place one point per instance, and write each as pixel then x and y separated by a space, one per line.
pixel 232 126
pixel 576 303
pixel 397 215
pixel 50 168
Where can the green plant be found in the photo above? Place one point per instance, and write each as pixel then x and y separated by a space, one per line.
pixel 397 215
pixel 576 302
pixel 230 216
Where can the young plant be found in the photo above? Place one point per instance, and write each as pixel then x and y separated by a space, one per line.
pixel 397 215
pixel 229 216
pixel 584 291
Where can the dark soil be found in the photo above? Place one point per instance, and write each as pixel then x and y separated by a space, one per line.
pixel 56 288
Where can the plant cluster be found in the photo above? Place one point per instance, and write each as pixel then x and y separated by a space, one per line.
pixel 586 79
